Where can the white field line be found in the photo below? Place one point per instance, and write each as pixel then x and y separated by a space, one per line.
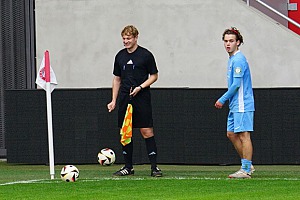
pixel 21 182
pixel 44 181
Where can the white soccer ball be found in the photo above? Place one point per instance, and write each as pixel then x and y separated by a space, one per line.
pixel 106 156
pixel 69 173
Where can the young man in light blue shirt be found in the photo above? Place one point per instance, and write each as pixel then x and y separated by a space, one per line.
pixel 241 102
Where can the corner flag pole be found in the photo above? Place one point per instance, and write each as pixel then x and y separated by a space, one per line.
pixel 49 115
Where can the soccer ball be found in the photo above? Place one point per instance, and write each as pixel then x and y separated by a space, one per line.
pixel 69 173
pixel 106 156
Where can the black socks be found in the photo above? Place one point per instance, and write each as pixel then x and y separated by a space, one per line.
pixel 152 151
pixel 127 153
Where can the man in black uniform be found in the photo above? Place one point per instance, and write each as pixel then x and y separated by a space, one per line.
pixel 134 71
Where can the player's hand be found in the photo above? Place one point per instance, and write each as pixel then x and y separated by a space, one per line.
pixel 111 106
pixel 135 91
pixel 218 105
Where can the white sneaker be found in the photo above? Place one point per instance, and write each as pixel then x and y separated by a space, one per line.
pixel 240 174
pixel 252 170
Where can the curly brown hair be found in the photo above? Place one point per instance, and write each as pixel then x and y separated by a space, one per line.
pixel 236 32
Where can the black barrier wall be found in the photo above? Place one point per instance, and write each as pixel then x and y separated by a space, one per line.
pixel 17 53
pixel 188 129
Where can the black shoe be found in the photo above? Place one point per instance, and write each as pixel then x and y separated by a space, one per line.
pixel 124 172
pixel 156 172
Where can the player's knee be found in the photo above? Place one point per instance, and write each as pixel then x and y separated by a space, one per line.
pixel 231 135
pixel 147 132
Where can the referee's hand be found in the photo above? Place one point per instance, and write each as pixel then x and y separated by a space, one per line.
pixel 135 91
pixel 111 106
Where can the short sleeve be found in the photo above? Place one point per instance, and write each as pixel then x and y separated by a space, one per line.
pixel 151 64
pixel 117 69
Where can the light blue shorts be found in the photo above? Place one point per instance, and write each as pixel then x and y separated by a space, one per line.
pixel 240 121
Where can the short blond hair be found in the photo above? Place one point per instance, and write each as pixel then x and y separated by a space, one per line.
pixel 130 30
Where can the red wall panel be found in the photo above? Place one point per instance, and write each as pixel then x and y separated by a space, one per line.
pixel 294 15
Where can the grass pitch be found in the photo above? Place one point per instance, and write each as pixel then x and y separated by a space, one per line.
pixel 178 182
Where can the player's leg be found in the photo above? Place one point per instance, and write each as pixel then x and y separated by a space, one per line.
pixel 243 145
pixel 148 135
pixel 243 125
pixel 147 132
pixel 247 151
pixel 128 168
pixel 247 148
pixel 127 150
pixel 142 119
pixel 245 137
pixel 235 140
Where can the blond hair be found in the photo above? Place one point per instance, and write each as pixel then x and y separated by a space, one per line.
pixel 130 30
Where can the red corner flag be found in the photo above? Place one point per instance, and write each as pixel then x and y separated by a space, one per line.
pixel 46 73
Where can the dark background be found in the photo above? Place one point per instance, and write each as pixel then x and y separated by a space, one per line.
pixel 188 129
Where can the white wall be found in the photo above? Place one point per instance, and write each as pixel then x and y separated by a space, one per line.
pixel 83 37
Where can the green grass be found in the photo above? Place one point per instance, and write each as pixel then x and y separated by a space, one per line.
pixel 178 182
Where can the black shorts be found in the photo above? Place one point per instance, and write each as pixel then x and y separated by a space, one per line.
pixel 142 109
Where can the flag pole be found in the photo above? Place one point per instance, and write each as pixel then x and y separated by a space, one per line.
pixel 49 114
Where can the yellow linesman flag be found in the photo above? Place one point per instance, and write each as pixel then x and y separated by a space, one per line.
pixel 126 130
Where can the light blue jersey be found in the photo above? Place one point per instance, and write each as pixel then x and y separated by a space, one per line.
pixel 240 93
